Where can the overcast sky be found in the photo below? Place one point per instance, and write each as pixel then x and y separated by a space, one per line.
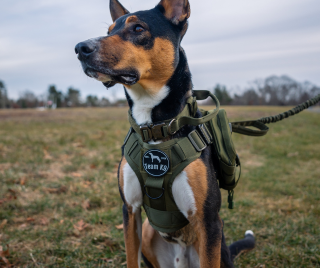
pixel 229 42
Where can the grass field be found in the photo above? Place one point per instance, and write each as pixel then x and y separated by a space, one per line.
pixel 59 201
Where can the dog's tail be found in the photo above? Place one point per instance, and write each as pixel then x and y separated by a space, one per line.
pixel 243 245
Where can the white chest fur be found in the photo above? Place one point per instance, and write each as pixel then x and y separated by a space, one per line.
pixel 181 191
pixel 131 188
pixel 183 194
pixel 143 102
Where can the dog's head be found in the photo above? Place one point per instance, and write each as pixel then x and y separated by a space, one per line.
pixel 141 47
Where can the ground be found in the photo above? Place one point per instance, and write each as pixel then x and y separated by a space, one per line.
pixel 60 206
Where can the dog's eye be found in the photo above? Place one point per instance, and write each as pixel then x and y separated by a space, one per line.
pixel 138 29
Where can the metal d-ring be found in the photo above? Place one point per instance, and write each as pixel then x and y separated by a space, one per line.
pixel 169 127
pixel 154 198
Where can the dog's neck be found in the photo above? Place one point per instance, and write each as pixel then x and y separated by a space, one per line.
pixel 168 102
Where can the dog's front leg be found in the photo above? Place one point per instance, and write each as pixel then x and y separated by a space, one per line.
pixel 132 226
pixel 131 194
pixel 192 191
pixel 209 235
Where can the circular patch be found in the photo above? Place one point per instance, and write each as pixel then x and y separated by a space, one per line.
pixel 155 162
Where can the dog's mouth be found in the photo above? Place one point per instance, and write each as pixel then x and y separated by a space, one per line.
pixel 109 78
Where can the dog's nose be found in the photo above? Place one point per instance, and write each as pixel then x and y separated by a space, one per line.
pixel 85 49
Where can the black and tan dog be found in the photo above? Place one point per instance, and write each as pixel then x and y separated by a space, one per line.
pixel 142 51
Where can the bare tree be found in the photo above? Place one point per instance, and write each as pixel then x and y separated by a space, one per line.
pixel 92 101
pixel 276 90
pixel 28 100
pixel 222 94
pixel 55 96
pixel 73 97
pixel 4 102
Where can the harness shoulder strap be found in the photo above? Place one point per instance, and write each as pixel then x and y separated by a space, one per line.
pixel 132 149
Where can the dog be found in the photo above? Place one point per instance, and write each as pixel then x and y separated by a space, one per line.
pixel 142 51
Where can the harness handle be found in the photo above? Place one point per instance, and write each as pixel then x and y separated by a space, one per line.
pixel 175 125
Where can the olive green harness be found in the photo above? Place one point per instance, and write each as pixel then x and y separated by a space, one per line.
pixel 156 177
pixel 157 165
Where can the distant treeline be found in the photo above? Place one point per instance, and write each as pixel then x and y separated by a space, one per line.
pixel 53 98
pixel 273 90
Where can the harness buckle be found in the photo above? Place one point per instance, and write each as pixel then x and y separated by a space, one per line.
pixel 157 131
pixel 197 141
pixel 152 132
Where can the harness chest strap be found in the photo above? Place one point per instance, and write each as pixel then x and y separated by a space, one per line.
pixel 158 201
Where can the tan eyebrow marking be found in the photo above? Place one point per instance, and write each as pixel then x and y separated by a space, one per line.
pixel 131 19
pixel 111 27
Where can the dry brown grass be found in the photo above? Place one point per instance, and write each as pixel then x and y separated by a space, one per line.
pixel 59 201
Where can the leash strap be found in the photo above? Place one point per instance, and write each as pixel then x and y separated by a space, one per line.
pixel 240 127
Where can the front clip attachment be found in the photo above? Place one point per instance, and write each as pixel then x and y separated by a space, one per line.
pixel 154 132
pixel 230 199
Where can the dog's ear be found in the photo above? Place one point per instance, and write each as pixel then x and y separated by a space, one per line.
pixel 176 10
pixel 117 10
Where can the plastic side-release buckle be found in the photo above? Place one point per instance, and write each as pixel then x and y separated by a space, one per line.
pixel 152 132
pixel 157 131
